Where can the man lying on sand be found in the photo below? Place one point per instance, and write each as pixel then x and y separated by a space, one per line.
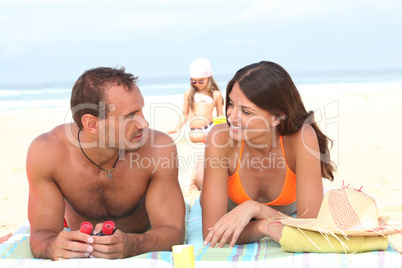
pixel 108 165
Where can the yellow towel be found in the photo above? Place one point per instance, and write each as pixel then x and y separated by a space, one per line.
pixel 294 240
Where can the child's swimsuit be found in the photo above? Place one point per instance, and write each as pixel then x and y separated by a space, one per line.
pixel 237 194
pixel 205 129
pixel 198 97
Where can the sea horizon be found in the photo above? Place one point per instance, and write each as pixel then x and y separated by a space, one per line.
pixel 57 93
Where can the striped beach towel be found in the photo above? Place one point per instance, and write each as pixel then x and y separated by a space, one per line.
pixel 264 253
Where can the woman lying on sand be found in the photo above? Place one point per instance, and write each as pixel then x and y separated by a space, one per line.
pixel 270 152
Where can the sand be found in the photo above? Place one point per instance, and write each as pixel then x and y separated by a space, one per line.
pixel 365 127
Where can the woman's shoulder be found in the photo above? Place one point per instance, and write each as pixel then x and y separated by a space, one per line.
pixel 303 140
pixel 219 136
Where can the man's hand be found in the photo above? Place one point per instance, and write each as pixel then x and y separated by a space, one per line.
pixel 113 246
pixel 71 244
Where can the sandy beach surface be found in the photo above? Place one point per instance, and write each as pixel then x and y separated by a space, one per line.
pixel 365 128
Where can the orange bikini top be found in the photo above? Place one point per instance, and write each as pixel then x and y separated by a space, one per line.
pixel 237 194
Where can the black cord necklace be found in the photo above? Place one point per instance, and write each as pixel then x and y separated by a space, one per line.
pixel 109 172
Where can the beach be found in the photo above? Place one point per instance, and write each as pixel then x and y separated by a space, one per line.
pixel 364 125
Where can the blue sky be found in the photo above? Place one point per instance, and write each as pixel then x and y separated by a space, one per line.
pixel 56 40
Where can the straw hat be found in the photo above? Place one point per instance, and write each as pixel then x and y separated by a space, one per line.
pixel 200 68
pixel 348 212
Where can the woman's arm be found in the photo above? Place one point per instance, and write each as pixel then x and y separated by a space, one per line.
pixel 307 165
pixel 214 197
pixel 236 227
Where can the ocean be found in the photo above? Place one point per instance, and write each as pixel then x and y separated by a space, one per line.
pixel 57 94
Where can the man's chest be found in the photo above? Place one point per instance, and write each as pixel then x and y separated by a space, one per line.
pixel 95 197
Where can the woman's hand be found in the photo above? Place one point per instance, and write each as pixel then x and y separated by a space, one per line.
pixel 272 229
pixel 232 224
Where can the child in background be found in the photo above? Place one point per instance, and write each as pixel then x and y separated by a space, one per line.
pixel 200 101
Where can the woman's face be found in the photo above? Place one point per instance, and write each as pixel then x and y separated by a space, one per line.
pixel 199 83
pixel 247 121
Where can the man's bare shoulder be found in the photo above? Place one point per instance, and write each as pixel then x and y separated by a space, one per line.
pixel 159 150
pixel 55 137
pixel 52 145
pixel 47 152
pixel 159 140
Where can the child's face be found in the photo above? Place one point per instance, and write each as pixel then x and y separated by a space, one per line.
pixel 200 83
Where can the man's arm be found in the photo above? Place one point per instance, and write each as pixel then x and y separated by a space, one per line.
pixel 46 206
pixel 165 208
pixel 165 205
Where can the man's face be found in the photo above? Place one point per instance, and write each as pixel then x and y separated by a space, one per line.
pixel 125 122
